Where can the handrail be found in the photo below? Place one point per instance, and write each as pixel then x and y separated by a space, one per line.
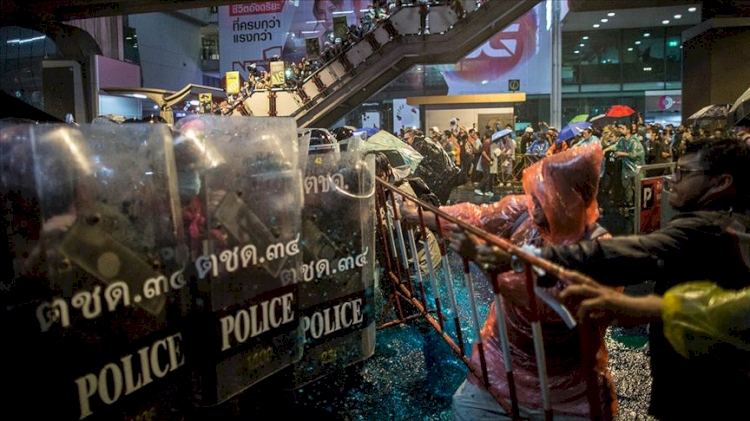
pixel 369 64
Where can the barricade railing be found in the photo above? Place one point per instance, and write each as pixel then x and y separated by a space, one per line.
pixel 518 163
pixel 334 73
pixel 403 273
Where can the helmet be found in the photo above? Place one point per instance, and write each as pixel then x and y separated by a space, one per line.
pixel 342 133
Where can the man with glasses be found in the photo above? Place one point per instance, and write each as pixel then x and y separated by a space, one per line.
pixel 710 189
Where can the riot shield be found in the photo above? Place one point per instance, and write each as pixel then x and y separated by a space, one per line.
pixel 337 273
pixel 244 229
pixel 96 310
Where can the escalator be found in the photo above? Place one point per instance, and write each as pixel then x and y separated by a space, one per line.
pixel 389 50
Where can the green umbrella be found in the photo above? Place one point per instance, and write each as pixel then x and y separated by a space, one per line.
pixel 579 118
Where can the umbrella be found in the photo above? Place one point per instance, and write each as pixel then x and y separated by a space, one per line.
pixel 371 131
pixel 501 133
pixel 579 117
pixel 403 157
pixel 618 111
pixel 573 129
pixel 711 112
pixel 740 111
pixel 602 120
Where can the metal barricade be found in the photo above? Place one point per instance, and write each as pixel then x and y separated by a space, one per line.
pixel 519 162
pixel 403 274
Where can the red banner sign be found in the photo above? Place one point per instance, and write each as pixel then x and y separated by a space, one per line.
pixel 650 210
pixel 256 8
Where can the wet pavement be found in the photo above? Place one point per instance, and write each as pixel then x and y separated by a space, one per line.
pixel 413 373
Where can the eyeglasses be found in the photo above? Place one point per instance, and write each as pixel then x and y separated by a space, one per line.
pixel 678 171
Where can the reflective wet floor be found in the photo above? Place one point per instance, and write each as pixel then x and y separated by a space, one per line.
pixel 413 373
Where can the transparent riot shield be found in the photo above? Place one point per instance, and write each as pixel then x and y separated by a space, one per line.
pixel 244 229
pixel 337 272
pixel 97 315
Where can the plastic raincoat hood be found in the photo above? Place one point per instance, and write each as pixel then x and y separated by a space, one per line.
pixel 566 185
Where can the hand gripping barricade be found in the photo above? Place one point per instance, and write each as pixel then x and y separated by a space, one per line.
pixel 95 309
pixel 245 234
pixel 336 276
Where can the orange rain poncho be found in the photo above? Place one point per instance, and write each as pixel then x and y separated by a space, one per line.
pixel 566 185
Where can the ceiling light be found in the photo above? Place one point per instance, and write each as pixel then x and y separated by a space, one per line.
pixel 605 20
pixel 692 9
pixel 581 45
pixel 576 52
pixel 646 35
pixel 596 25
pixel 630 48
pixel 665 22
pixel 677 16
pixel 586 37
pixel 24 41
pixel 610 14
pixel 637 43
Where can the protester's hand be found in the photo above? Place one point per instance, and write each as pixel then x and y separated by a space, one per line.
pixel 463 243
pixel 488 257
pixel 491 258
pixel 595 301
pixel 59 223
pixel 409 212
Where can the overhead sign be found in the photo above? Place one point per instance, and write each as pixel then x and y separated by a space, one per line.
pixel 254 32
pixel 514 85
pixel 650 209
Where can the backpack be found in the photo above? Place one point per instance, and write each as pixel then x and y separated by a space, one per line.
pixel 470 150
pixel 421 190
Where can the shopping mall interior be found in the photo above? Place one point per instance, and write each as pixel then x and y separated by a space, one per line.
pixel 661 58
pixel 274 68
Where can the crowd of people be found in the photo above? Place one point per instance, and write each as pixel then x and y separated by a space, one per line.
pixel 489 161
pixel 484 159
pixel 698 316
pixel 698 332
